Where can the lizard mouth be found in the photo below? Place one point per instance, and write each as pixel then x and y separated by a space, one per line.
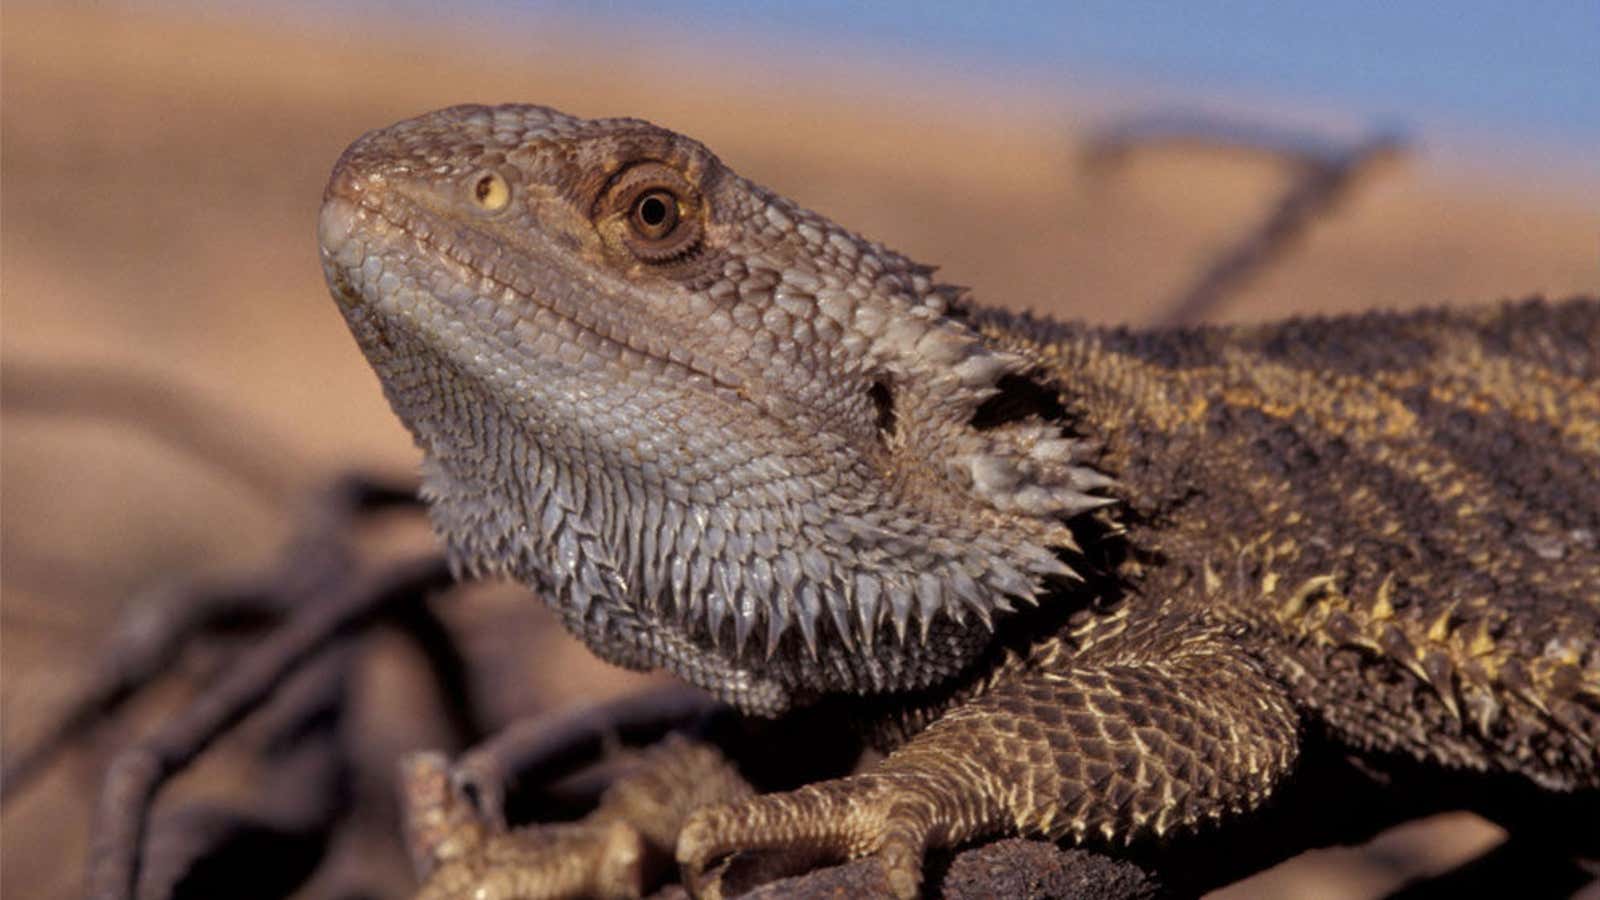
pixel 355 226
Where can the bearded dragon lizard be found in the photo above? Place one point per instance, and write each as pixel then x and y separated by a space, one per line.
pixel 1091 584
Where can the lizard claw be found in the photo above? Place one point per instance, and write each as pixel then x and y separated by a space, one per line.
pixel 874 815
pixel 458 856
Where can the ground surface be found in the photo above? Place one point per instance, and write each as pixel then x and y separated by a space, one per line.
pixel 160 183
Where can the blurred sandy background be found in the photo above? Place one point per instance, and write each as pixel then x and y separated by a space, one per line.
pixel 161 175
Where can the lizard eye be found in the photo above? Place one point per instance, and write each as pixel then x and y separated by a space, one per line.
pixel 490 192
pixel 659 212
pixel 654 214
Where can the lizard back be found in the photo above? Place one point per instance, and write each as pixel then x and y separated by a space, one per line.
pixel 1403 507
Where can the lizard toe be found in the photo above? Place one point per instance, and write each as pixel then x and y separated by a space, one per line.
pixel 875 816
pixel 458 856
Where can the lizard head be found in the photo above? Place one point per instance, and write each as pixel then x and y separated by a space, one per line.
pixel 718 432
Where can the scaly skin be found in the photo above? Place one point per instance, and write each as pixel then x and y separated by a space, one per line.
pixel 1090 583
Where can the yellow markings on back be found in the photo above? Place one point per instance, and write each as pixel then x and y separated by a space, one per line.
pixel 1460 373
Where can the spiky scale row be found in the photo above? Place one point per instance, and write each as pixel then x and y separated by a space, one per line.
pixel 1480 681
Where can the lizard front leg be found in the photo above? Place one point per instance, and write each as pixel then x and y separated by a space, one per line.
pixel 1142 734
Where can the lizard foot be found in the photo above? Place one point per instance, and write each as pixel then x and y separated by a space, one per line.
pixel 458 855
pixel 889 816
pixel 615 851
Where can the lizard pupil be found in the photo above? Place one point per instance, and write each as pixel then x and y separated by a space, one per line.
pixel 655 214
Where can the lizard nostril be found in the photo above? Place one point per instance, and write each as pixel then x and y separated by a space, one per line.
pixel 491 192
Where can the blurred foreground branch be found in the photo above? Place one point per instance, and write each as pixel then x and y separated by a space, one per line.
pixel 1323 172
pixel 174 413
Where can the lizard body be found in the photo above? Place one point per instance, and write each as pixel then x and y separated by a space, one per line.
pixel 1091 583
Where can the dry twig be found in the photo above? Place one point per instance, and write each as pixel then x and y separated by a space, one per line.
pixel 337 605
pixel 1325 172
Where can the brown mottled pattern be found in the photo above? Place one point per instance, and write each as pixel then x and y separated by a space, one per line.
pixel 1089 584
pixel 1408 497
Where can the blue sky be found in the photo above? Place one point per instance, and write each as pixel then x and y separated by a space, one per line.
pixel 1483 80
pixel 1529 71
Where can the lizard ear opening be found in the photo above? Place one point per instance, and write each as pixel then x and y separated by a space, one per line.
pixel 882 396
pixel 1018 398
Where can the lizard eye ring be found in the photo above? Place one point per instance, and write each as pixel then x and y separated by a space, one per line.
pixel 659 213
pixel 490 192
